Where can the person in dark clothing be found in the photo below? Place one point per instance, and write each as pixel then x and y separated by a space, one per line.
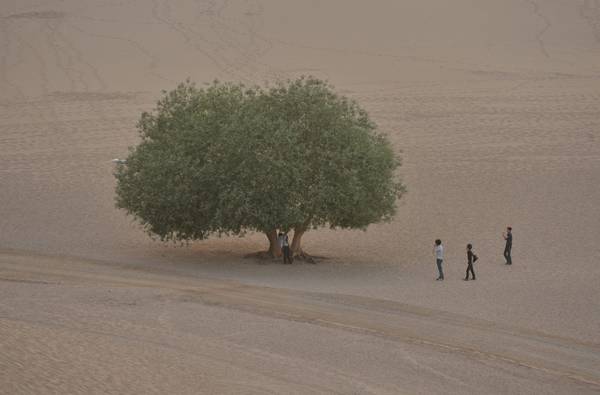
pixel 284 243
pixel 508 247
pixel 438 250
pixel 471 258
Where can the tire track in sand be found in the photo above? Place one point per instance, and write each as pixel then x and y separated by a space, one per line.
pixel 590 11
pixel 547 25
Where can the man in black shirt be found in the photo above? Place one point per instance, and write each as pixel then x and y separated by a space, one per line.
pixel 508 247
pixel 471 257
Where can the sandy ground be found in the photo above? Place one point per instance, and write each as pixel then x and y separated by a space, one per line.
pixel 72 326
pixel 495 106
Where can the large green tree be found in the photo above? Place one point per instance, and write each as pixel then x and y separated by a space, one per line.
pixel 226 159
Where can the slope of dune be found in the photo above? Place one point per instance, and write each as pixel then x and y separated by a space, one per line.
pixel 494 105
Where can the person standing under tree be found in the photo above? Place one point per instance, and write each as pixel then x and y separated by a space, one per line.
pixel 284 243
pixel 438 250
pixel 508 247
pixel 471 258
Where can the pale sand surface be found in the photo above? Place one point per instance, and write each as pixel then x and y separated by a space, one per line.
pixel 496 108
pixel 76 326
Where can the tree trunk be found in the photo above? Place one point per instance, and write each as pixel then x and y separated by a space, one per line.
pixel 297 251
pixel 297 242
pixel 274 249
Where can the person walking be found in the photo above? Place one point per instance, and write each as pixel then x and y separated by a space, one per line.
pixel 284 243
pixel 471 258
pixel 508 247
pixel 438 250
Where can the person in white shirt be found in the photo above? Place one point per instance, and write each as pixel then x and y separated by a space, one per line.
pixel 438 250
pixel 284 244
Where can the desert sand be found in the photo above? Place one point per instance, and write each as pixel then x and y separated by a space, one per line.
pixel 495 108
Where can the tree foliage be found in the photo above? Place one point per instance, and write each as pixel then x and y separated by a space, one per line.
pixel 227 158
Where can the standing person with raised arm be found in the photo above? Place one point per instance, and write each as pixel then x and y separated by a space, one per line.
pixel 438 250
pixel 508 247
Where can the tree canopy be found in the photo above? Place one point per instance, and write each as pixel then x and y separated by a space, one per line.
pixel 226 159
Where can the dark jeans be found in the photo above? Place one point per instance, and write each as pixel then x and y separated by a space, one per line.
pixel 439 266
pixel 470 269
pixel 287 254
pixel 507 255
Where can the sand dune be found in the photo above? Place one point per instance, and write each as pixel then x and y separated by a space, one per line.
pixel 494 105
